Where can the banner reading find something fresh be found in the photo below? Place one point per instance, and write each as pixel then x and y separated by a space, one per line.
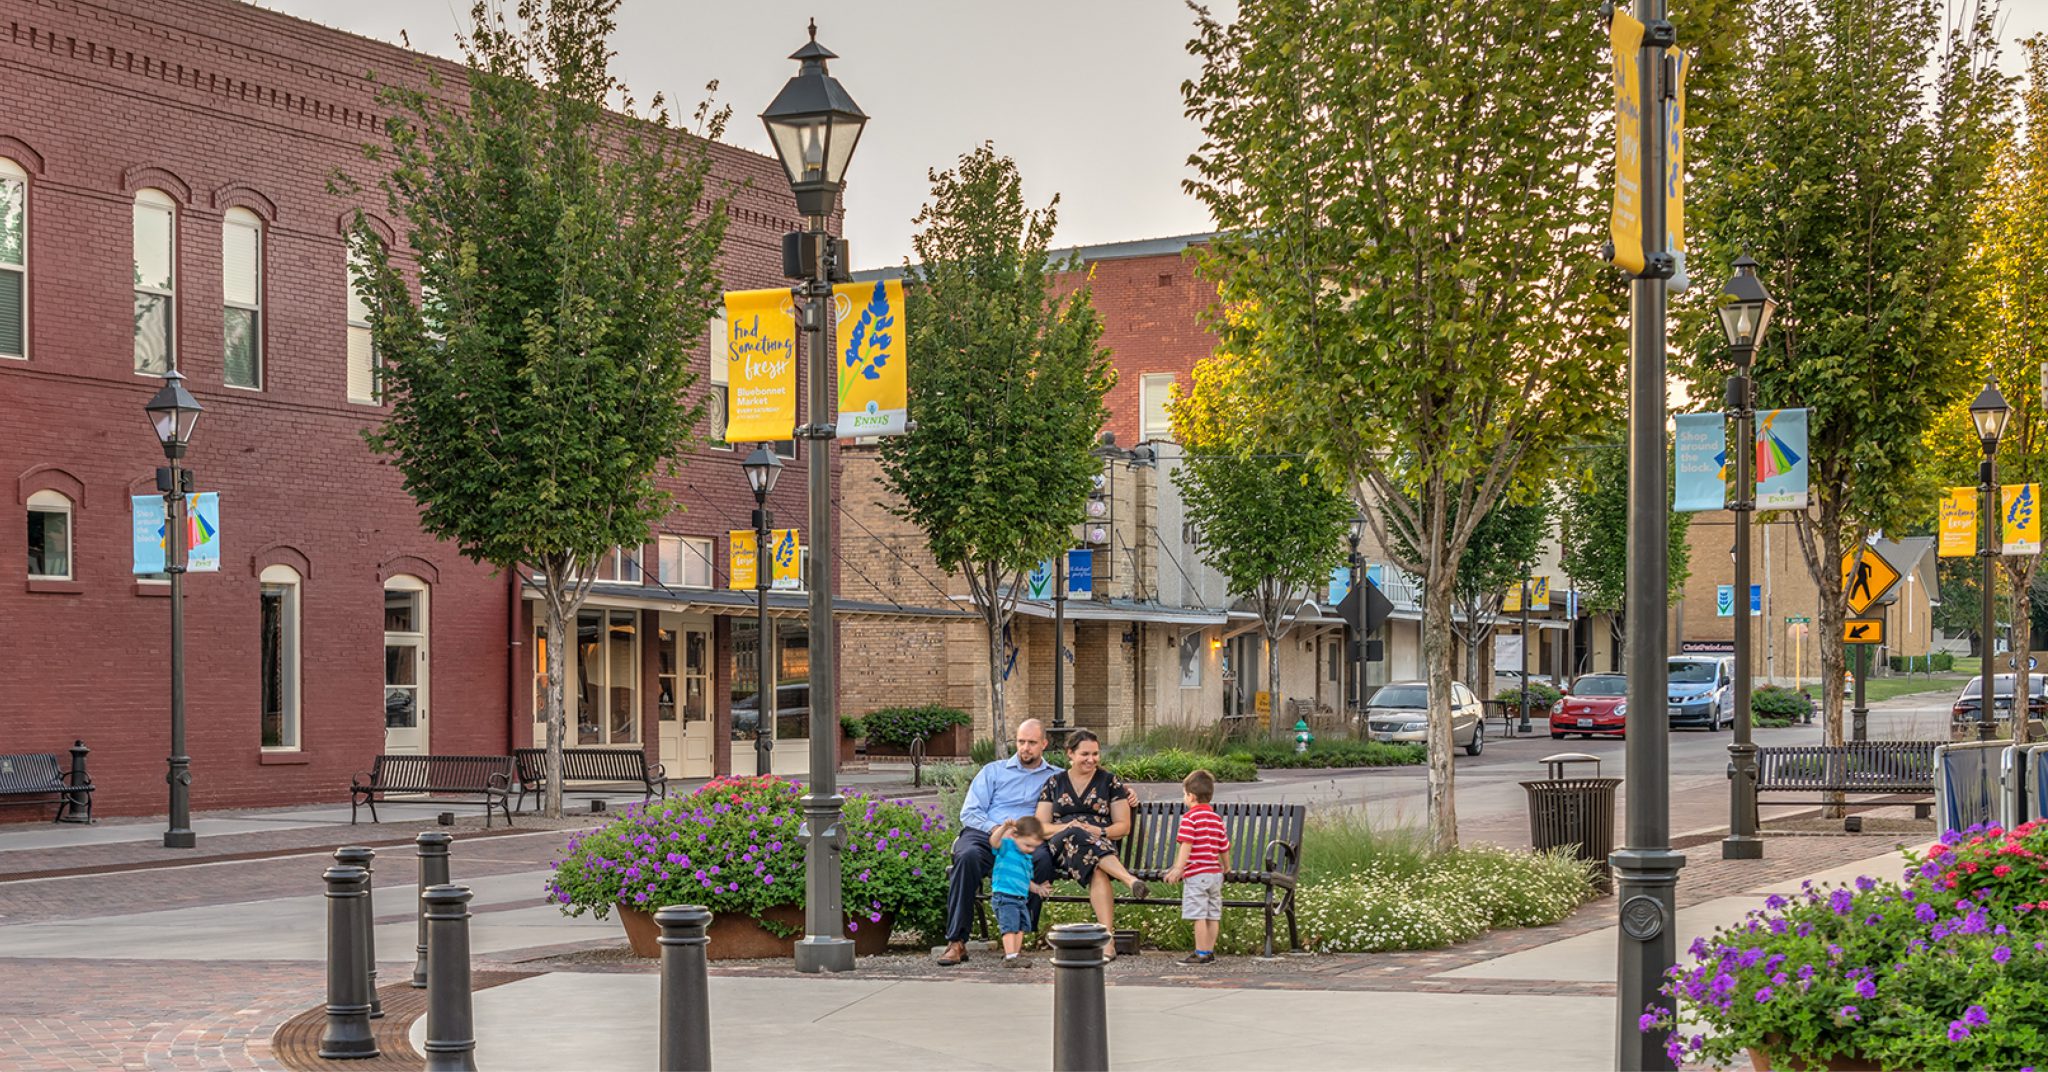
pixel 761 342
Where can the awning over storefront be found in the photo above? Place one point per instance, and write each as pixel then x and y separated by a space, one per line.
pixel 1124 610
pixel 728 602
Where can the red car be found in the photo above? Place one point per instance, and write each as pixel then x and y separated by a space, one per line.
pixel 1597 706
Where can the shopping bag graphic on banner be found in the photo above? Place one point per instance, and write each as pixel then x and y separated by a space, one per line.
pixel 1781 459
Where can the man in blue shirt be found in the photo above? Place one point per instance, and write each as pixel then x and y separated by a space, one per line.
pixel 1003 790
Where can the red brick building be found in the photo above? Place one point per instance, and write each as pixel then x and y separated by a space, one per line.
pixel 1155 310
pixel 164 197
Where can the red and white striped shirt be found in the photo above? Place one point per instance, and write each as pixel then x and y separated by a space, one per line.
pixel 1201 829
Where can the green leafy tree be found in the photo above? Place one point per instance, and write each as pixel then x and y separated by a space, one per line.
pixel 1270 524
pixel 1409 265
pixel 2012 347
pixel 1009 382
pixel 566 264
pixel 1593 533
pixel 1854 181
pixel 1502 552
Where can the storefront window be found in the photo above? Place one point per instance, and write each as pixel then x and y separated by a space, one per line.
pixel 792 685
pixel 606 698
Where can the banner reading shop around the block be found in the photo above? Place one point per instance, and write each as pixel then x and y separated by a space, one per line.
pixel 1781 459
pixel 761 337
pixel 202 533
pixel 1701 450
pixel 2021 508
pixel 874 388
pixel 1958 527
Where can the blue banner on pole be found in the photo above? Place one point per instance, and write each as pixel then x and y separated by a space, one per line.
pixel 1081 573
pixel 1340 584
pixel 1756 600
pixel 1701 452
pixel 1781 459
pixel 1724 601
pixel 202 533
pixel 1376 576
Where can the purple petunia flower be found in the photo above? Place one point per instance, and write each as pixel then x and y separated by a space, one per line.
pixel 1956 1031
pixel 1975 1016
pixel 2001 954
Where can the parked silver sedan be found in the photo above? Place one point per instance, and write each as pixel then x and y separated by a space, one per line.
pixel 1400 712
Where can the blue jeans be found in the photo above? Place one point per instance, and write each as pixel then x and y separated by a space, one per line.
pixel 1013 913
pixel 972 861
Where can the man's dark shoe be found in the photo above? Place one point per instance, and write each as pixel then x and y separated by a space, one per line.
pixel 1199 958
pixel 955 953
pixel 1140 889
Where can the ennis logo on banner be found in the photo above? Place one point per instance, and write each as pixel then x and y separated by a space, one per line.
pixel 873 387
pixel 762 369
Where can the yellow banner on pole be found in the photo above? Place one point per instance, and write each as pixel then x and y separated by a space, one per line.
pixel 1625 227
pixel 761 326
pixel 743 558
pixel 1512 602
pixel 874 387
pixel 1674 170
pixel 1539 593
pixel 783 568
pixel 2021 509
pixel 1958 528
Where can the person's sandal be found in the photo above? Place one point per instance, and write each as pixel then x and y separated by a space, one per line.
pixel 949 962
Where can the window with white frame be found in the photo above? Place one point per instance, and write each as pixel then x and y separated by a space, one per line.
pixel 1191 661
pixel 241 274
pixel 718 402
pixel 49 536
pixel 685 561
pixel 363 378
pixel 620 565
pixel 156 243
pixel 279 655
pixel 1155 391
pixel 13 259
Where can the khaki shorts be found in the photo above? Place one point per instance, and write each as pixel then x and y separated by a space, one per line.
pixel 1201 897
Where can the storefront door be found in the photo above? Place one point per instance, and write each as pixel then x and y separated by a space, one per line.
pixel 405 667
pixel 683 704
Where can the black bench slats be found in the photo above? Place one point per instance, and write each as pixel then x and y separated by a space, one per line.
pixel 489 777
pixel 1883 768
pixel 618 766
pixel 1265 850
pixel 36 778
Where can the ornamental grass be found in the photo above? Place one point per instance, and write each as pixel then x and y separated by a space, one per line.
pixel 733 847
pixel 1947 968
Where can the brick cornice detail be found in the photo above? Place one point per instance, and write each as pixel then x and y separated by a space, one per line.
pixel 49 478
pixel 150 176
pixel 22 153
pixel 243 195
pixel 280 554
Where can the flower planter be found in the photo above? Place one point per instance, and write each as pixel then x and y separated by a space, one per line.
pixel 742 938
pixel 1761 1059
pixel 953 743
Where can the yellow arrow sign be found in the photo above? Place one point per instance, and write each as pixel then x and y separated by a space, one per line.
pixel 1866 579
pixel 1863 631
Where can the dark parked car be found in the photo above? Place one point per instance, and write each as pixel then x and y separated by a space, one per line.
pixel 1967 707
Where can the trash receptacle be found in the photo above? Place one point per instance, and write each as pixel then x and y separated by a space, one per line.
pixel 1574 813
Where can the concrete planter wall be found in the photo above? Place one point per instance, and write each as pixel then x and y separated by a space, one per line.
pixel 735 937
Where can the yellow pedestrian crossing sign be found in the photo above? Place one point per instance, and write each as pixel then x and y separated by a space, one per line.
pixel 1863 631
pixel 1866 578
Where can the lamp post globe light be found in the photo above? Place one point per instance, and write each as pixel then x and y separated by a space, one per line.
pixel 173 413
pixel 1988 412
pixel 815 125
pixel 1746 310
pixel 763 469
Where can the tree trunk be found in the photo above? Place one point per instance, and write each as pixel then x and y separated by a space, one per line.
pixel 1827 577
pixel 1273 677
pixel 2020 572
pixel 997 715
pixel 1436 657
pixel 561 637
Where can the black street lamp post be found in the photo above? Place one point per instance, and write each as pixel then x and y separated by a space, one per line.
pixel 1745 317
pixel 174 412
pixel 1354 651
pixel 1988 412
pixel 763 469
pixel 815 125
pixel 1645 868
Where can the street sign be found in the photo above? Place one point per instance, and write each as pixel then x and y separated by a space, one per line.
pixel 1798 619
pixel 1365 608
pixel 1866 581
pixel 1863 631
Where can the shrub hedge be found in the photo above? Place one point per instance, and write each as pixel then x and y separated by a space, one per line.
pixel 900 725
pixel 1776 705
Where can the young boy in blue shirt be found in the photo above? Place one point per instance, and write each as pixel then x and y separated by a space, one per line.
pixel 1010 883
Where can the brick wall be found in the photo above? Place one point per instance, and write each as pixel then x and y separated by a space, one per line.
pixel 1154 310
pixel 223 104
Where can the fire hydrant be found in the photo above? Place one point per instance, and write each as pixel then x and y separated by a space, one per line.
pixel 1302 737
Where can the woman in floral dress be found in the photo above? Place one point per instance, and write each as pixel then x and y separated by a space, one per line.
pixel 1083 810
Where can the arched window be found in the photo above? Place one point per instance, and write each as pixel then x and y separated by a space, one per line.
pixel 363 385
pixel 241 270
pixel 280 657
pixel 156 243
pixel 13 259
pixel 49 536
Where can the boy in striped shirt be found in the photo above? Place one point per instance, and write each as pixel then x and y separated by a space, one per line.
pixel 1198 865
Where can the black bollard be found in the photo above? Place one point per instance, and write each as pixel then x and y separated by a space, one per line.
pixel 366 932
pixel 348 1006
pixel 432 848
pixel 685 992
pixel 1080 1013
pixel 77 807
pixel 451 1030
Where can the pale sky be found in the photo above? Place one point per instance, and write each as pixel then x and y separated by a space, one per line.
pixel 1085 95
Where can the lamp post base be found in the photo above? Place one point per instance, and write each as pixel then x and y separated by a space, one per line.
pixel 814 955
pixel 1742 847
pixel 180 839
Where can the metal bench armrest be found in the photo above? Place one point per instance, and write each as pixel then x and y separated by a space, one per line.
pixel 500 781
pixel 362 780
pixel 657 773
pixel 1280 852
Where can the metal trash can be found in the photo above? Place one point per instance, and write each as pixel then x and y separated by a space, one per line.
pixel 1574 813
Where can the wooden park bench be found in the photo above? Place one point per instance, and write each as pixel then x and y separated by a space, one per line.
pixel 35 778
pixel 1862 768
pixel 489 777
pixel 614 766
pixel 1265 851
